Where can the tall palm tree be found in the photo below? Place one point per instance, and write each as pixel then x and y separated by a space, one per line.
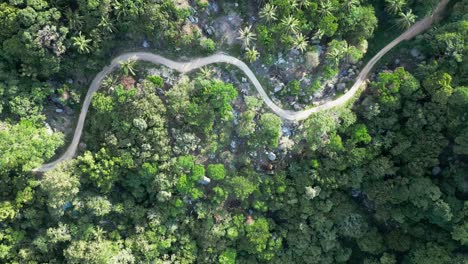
pixel 293 4
pixel 326 7
pixel 303 3
pixel 335 53
pixel 407 19
pixel 268 13
pixel 290 23
pixel 106 25
pixel 349 4
pixel 98 233
pixel 128 66
pixel 318 35
pixel 300 43
pixel 206 72
pixel 82 43
pixel 394 6
pixel 74 19
pixel 247 36
pixel 251 54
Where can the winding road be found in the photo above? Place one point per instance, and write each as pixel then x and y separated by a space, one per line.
pixel 185 67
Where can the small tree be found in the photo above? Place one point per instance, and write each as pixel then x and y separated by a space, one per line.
pixel 290 24
pixel 270 129
pixel 81 43
pixel 216 171
pixel 251 54
pixel 198 172
pixel 300 43
pixel 406 20
pixel 228 257
pixel 268 13
pixel 394 6
pixel 128 66
pixel 246 36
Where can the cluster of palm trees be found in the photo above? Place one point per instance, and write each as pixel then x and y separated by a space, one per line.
pixel 80 42
pixel 247 36
pixel 289 23
pixel 338 50
pixel 405 18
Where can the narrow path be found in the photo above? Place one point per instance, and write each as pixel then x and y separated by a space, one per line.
pixel 194 64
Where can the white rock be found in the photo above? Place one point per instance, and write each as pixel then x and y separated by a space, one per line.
pixel 193 19
pixel 280 61
pixel 205 180
pixel 271 156
pixel 233 144
pixel 286 131
pixel 341 86
pixel 278 88
pixel 145 44
pixel 50 131
pixel 58 110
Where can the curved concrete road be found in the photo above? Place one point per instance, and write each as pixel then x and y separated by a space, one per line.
pixel 185 67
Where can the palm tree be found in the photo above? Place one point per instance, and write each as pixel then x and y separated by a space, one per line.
pixel 318 35
pixel 128 66
pixel 268 13
pixel 247 36
pixel 300 43
pixel 82 43
pixel 349 4
pixel 206 72
pixel 394 6
pixel 334 54
pixel 290 23
pixel 121 9
pixel 75 20
pixel 251 54
pixel 293 4
pixel 98 233
pixel 326 7
pixel 108 82
pixel 303 3
pixel 407 19
pixel 106 25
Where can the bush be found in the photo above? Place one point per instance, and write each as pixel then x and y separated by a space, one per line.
pixel 314 87
pixel 208 45
pixel 198 172
pixel 312 59
pixel 294 87
pixel 216 171
pixel 186 162
pixel 156 80
pixel 329 72
pixel 202 4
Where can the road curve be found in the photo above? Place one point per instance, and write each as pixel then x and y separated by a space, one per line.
pixel 185 67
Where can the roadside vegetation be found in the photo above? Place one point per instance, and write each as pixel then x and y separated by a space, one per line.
pixel 193 168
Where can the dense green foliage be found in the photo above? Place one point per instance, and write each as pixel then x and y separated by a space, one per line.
pixel 186 169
